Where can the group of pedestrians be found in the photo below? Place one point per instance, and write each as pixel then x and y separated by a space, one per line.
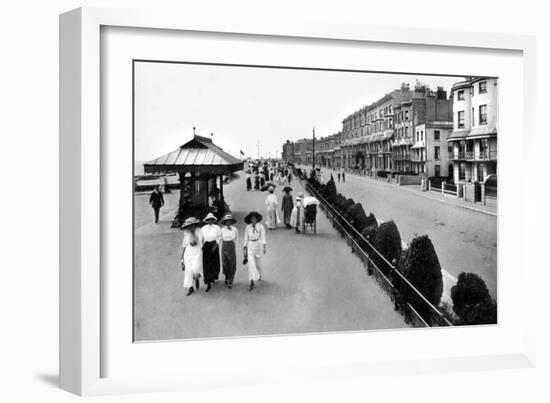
pixel 206 246
pixel 292 209
pixel 261 174
pixel 341 176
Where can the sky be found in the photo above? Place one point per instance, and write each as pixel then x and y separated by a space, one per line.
pixel 248 106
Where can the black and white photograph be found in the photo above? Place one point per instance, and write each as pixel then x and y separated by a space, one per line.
pixel 275 201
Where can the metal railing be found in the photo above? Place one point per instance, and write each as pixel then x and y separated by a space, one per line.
pixel 487 155
pixel 391 272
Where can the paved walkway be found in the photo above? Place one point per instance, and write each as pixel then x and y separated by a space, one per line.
pixel 465 240
pixel 310 284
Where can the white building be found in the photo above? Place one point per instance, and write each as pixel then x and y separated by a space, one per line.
pixel 473 140
pixel 429 153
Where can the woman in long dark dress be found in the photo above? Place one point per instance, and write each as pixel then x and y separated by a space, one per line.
pixel 211 235
pixel 230 237
pixel 248 182
pixel 287 206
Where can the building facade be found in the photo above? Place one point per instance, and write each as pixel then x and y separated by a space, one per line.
pixel 429 153
pixel 406 131
pixel 380 136
pixel 327 151
pixel 288 151
pixel 473 140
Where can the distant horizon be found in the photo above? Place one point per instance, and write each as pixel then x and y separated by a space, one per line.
pixel 249 106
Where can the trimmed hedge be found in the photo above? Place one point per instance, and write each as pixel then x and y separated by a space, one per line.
pixel 420 265
pixel 472 302
pixel 388 242
pixel 330 191
pixel 357 217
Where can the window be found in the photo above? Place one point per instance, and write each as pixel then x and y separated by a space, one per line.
pixel 473 117
pixel 482 87
pixel 436 135
pixel 407 114
pixel 460 119
pixel 436 154
pixel 462 171
pixel 437 170
pixel 482 114
pixel 460 95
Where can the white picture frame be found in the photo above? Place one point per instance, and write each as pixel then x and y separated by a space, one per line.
pixel 82 308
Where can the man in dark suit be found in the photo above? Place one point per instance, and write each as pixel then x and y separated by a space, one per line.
pixel 156 200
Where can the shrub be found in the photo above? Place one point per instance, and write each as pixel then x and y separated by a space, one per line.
pixel 357 217
pixel 347 204
pixel 472 302
pixel 420 265
pixel 339 203
pixel 369 233
pixel 330 191
pixel 388 243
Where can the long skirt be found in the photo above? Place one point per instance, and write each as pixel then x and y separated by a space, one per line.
pixel 211 261
pixel 229 261
pixel 248 184
pixel 287 211
pixel 255 251
pixel 297 217
pixel 271 219
pixel 192 259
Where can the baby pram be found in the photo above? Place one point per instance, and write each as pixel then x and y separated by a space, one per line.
pixel 310 214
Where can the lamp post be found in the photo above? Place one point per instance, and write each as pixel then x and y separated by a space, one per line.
pixel 313 150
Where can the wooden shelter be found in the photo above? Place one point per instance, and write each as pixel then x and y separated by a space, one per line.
pixel 201 166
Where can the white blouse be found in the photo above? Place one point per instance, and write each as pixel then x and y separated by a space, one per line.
pixel 230 234
pixel 252 234
pixel 271 201
pixel 188 237
pixel 211 232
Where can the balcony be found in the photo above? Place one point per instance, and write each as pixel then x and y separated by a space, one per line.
pixel 487 155
pixel 418 158
pixel 398 157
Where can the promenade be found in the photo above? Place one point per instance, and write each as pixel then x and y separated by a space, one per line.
pixel 311 283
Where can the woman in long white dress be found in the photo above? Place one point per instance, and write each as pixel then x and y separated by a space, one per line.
pixel 297 215
pixel 191 255
pixel 271 203
pixel 254 246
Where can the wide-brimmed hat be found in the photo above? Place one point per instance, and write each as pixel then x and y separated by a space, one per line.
pixel 189 222
pixel 210 217
pixel 301 195
pixel 248 218
pixel 287 189
pixel 228 217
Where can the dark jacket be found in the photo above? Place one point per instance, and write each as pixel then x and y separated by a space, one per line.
pixel 156 200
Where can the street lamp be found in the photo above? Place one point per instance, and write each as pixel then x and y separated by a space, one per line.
pixel 313 150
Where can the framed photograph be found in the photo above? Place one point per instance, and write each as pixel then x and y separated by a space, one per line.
pixel 260 196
